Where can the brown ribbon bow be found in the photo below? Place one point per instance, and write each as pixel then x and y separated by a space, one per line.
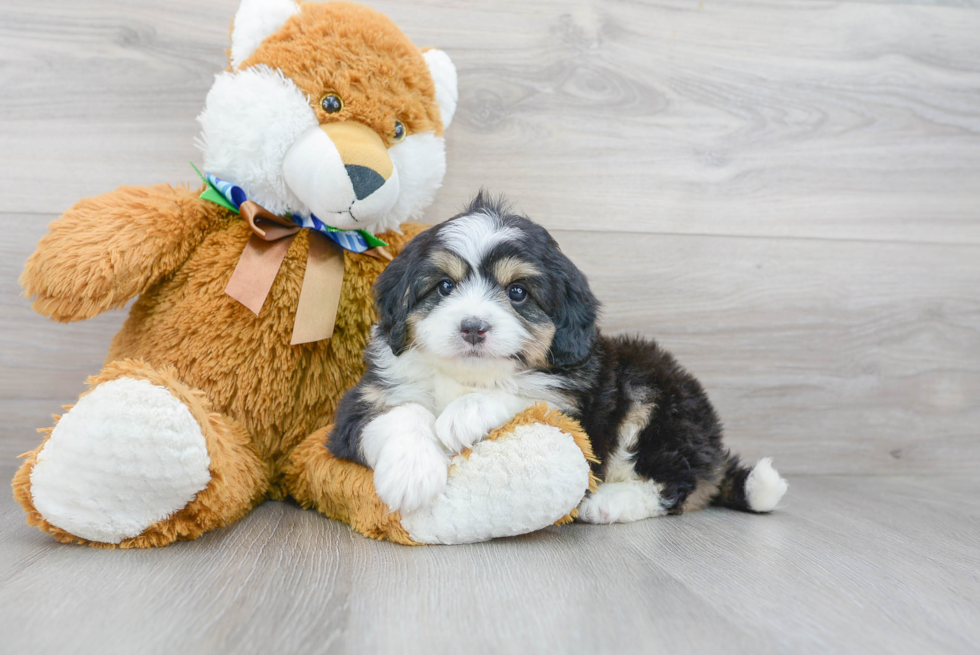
pixel 319 298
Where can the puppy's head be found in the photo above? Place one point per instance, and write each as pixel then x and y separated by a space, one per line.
pixel 487 285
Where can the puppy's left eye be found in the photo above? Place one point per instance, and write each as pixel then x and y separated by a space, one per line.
pixel 517 294
pixel 445 287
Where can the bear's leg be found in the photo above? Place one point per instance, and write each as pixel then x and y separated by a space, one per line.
pixel 341 490
pixel 524 476
pixel 140 460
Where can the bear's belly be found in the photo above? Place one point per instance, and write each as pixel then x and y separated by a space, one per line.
pixel 244 363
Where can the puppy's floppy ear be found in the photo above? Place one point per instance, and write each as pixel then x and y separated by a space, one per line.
pixel 575 316
pixel 394 293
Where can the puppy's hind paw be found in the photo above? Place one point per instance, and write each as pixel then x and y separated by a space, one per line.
pixel 622 502
pixel 410 473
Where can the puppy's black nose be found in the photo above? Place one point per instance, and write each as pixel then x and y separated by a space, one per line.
pixel 364 180
pixel 474 330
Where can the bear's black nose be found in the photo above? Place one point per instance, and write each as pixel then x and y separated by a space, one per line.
pixel 474 330
pixel 365 180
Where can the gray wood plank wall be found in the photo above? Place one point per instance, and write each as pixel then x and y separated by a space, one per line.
pixel 786 193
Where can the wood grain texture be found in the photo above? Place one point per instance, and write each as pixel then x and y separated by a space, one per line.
pixel 785 193
pixel 821 119
pixel 861 565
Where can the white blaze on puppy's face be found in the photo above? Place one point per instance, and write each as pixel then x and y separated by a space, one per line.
pixel 473 237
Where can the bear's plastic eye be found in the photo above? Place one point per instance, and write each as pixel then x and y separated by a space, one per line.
pixel 399 131
pixel 445 287
pixel 331 103
pixel 517 294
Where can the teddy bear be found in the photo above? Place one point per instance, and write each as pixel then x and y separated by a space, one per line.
pixel 321 142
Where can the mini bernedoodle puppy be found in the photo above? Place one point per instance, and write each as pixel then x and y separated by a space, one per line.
pixel 481 317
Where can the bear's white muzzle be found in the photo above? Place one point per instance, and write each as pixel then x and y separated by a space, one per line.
pixel 343 173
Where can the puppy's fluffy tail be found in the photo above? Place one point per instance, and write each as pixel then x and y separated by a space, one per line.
pixel 756 489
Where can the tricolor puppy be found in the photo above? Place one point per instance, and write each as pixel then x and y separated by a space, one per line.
pixel 481 317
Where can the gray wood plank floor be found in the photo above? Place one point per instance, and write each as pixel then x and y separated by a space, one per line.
pixel 850 564
pixel 786 193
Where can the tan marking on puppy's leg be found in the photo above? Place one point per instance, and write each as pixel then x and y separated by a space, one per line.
pixel 619 465
pixel 703 492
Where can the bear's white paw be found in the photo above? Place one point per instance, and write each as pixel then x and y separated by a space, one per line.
pixel 521 482
pixel 470 418
pixel 764 487
pixel 411 471
pixel 622 502
pixel 127 455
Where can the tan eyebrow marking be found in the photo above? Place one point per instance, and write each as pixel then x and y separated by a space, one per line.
pixel 450 263
pixel 509 269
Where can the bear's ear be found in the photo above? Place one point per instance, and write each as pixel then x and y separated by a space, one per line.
pixel 255 20
pixel 444 75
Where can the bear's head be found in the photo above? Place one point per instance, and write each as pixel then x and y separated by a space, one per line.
pixel 328 109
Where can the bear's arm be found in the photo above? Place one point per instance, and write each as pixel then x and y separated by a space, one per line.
pixel 107 249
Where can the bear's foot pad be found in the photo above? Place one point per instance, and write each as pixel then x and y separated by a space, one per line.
pixel 127 455
pixel 519 483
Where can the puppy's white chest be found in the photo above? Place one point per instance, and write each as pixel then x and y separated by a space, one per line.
pixel 445 390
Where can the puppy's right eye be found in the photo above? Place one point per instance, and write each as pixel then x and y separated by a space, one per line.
pixel 445 287
pixel 517 294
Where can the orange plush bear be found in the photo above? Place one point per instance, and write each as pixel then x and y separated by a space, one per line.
pixel 254 305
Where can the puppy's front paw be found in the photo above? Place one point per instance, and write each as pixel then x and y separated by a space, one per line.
pixel 410 473
pixel 469 418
